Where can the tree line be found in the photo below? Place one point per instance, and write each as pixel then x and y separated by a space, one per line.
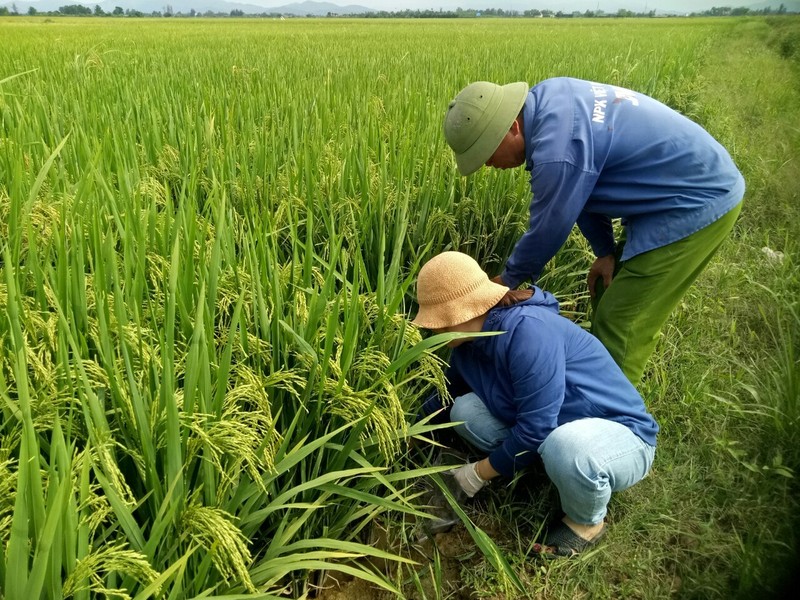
pixel 459 13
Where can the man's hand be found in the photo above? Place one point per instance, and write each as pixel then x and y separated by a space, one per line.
pixel 601 267
pixel 468 478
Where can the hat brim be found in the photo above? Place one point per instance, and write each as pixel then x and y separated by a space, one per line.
pixel 475 156
pixel 458 311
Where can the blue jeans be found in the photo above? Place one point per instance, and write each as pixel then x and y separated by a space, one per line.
pixel 585 459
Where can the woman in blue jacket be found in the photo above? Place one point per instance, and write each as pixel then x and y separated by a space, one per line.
pixel 543 387
pixel 596 152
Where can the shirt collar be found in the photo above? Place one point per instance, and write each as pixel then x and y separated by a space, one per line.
pixel 491 321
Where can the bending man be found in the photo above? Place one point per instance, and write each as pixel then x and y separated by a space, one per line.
pixel 597 152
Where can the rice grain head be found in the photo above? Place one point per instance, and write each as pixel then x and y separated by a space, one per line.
pixel 90 572
pixel 213 530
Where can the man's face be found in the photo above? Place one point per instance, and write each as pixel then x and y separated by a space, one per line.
pixel 511 151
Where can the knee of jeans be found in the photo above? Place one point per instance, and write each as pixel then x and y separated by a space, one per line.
pixel 565 458
pixel 560 442
pixel 462 408
pixel 486 441
pixel 477 425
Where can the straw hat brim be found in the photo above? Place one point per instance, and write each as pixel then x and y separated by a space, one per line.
pixel 460 310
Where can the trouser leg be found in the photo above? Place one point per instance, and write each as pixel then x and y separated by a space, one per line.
pixel 647 288
pixel 589 459
pixel 479 427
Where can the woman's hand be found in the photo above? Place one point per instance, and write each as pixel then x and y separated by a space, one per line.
pixel 469 480
pixel 472 477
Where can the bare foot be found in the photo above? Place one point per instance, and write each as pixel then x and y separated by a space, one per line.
pixel 587 532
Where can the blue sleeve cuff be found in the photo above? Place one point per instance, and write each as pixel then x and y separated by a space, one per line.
pixel 508 459
pixel 512 282
pixel 603 250
pixel 598 231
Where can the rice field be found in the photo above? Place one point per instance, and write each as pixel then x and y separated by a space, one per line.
pixel 210 231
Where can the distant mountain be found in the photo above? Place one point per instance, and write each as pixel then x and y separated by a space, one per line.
pixel 318 9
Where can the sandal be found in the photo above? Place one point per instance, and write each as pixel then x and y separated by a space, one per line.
pixel 566 542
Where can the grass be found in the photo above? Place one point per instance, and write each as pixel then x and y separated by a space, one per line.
pixel 207 381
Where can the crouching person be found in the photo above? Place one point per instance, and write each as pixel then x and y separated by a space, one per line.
pixel 544 387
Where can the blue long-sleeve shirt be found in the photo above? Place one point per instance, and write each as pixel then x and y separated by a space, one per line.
pixel 545 371
pixel 597 152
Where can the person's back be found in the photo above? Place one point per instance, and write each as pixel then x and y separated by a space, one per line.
pixel 537 338
pixel 647 163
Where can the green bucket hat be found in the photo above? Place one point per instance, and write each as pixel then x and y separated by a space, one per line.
pixel 478 119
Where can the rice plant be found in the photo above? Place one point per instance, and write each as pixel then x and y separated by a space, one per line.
pixel 207 377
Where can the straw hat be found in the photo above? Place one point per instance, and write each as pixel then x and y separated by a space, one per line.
pixel 453 289
pixel 478 119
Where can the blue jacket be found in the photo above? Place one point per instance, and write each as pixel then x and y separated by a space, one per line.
pixel 597 152
pixel 545 371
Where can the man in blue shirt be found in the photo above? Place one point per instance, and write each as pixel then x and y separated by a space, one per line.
pixel 597 152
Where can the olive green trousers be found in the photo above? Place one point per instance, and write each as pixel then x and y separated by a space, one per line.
pixel 629 314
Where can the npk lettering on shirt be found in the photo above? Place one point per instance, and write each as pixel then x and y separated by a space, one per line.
pixel 599 111
pixel 601 100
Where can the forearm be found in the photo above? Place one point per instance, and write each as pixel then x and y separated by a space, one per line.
pixel 485 470
pixel 533 250
pixel 553 212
